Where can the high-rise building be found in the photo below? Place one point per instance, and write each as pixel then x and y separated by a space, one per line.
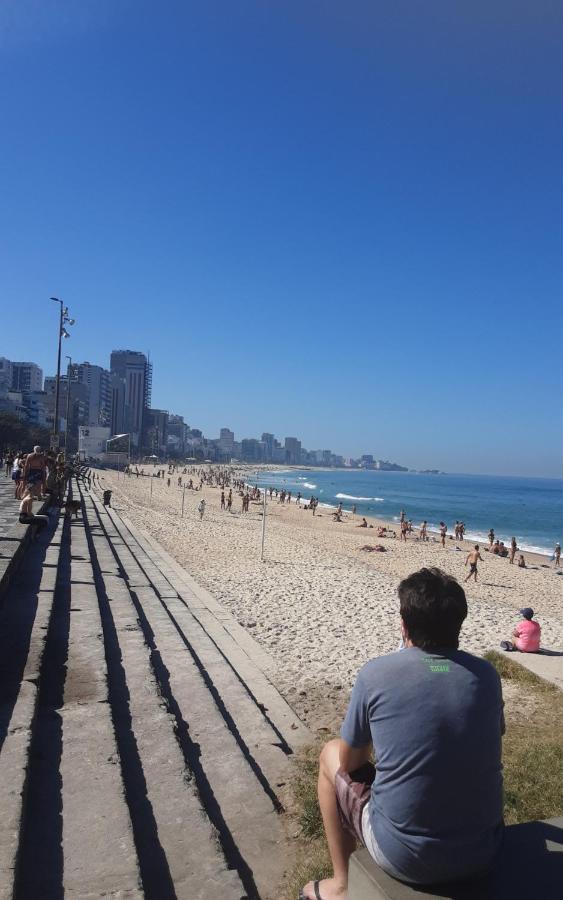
pixel 292 451
pixel 176 434
pixel 156 429
pixel 5 375
pixel 98 381
pixel 268 440
pixel 252 450
pixel 136 372
pixel 226 440
pixel 26 376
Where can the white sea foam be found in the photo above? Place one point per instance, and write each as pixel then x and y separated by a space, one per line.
pixel 308 484
pixel 349 497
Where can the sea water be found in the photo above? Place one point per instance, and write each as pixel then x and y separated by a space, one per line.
pixel 531 509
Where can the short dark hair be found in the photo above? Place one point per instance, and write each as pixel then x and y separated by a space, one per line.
pixel 433 607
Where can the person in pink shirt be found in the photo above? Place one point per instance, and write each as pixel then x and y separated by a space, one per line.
pixel 527 634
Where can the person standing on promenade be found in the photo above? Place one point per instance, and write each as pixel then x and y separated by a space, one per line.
pixel 513 549
pixel 473 557
pixel 557 555
pixel 432 810
pixel 443 532
pixel 34 472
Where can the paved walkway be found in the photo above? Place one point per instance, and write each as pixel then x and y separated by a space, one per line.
pixel 9 506
pixel 548 664
pixel 142 745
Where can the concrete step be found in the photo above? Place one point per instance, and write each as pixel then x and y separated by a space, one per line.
pixel 185 848
pixel 249 662
pixel 227 768
pixel 76 834
pixel 24 624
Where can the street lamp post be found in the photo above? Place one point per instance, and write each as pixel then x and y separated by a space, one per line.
pixel 64 319
pixel 67 401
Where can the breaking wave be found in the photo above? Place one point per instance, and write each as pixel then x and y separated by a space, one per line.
pixel 349 497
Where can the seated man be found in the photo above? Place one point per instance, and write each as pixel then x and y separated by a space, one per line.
pixel 431 811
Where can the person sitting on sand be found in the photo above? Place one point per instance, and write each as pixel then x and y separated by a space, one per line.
pixel 432 810
pixel 527 634
pixel 521 562
pixel 364 524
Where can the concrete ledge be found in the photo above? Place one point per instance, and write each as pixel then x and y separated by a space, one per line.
pixel 12 546
pixel 530 866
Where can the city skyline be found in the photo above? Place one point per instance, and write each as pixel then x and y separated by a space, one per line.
pixel 345 226
pixel 115 402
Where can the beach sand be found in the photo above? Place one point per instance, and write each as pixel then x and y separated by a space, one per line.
pixel 318 604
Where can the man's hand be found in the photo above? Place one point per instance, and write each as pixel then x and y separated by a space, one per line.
pixel 352 758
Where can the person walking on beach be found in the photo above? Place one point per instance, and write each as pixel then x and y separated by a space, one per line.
pixel 557 555
pixel 473 558
pixel 491 537
pixel 201 508
pixel 222 500
pixel 404 527
pixel 423 529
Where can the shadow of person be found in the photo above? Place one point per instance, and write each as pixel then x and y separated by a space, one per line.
pixel 543 651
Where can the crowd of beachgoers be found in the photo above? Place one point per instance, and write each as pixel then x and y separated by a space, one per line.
pixel 324 598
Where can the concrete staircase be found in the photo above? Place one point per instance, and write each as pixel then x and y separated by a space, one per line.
pixel 142 744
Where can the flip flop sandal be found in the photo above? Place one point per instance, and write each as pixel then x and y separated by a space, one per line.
pixel 316 890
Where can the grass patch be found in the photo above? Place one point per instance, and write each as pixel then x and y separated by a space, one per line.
pixel 532 757
pixel 532 749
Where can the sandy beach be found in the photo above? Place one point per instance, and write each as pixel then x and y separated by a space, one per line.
pixel 319 604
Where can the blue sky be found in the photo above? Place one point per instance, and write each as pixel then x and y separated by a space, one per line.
pixel 337 221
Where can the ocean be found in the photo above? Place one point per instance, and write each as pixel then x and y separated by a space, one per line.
pixel 531 509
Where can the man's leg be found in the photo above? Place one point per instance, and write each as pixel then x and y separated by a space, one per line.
pixel 340 842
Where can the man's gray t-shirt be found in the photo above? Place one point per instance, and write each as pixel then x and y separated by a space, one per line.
pixel 435 721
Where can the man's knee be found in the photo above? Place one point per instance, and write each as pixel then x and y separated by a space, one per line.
pixel 329 759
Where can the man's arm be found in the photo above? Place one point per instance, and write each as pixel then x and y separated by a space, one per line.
pixel 352 758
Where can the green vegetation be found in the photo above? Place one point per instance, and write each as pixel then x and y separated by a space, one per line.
pixel 18 435
pixel 532 746
pixel 532 757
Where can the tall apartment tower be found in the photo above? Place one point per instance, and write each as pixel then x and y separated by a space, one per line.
pixel 292 451
pixel 98 381
pixel 26 376
pixel 133 370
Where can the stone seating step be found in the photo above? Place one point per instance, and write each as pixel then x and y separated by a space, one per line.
pixel 187 850
pixel 24 622
pixel 239 751
pixel 232 642
pixel 530 867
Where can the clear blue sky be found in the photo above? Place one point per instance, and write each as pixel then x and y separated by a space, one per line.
pixel 340 221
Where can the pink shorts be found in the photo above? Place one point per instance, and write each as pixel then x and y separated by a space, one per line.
pixel 353 791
